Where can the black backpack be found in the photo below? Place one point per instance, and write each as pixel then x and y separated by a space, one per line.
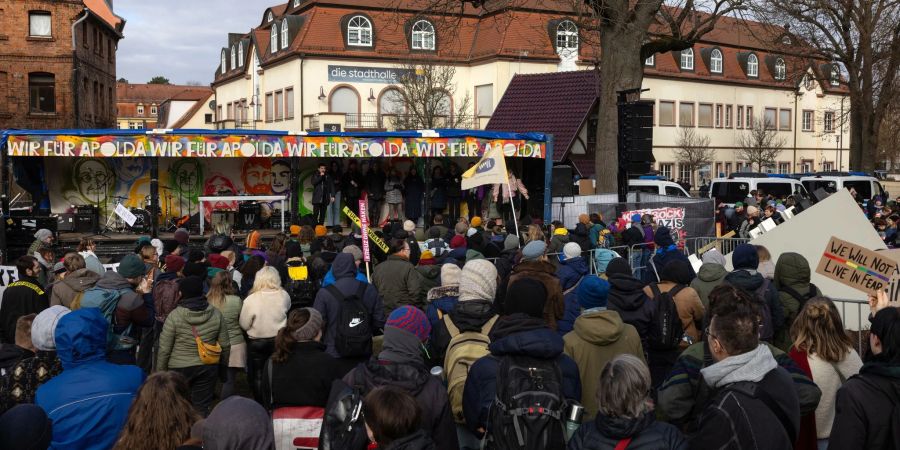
pixel 529 409
pixel 767 327
pixel 802 298
pixel 302 290
pixel 665 331
pixel 343 427
pixel 353 335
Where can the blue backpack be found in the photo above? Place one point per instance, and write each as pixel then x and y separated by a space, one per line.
pixel 106 300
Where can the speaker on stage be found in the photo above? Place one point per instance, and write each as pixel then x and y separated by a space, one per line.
pixel 562 181
pixel 248 217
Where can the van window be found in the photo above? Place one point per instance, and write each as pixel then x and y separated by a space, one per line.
pixel 880 190
pixel 863 188
pixel 646 189
pixel 674 191
pixel 778 190
pixel 830 186
pixel 729 191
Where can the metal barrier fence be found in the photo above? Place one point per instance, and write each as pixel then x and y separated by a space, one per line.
pixel 702 244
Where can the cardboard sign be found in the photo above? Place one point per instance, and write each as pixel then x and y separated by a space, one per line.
pixel 374 237
pixel 856 266
pixel 125 214
pixel 364 217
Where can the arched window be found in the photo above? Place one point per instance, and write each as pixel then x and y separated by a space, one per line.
pixel 344 100
pixel 241 54
pixel 780 69
pixel 752 66
pixel 566 36
pixel 835 76
pixel 423 35
pixel 359 32
pixel 687 59
pixel 270 17
pixel 715 61
pixel 391 102
pixel 224 65
pixel 284 33
pixel 273 44
pixel 233 57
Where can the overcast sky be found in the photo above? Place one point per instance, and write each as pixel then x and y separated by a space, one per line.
pixel 180 39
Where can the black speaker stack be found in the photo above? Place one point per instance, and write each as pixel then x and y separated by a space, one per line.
pixel 87 218
pixel 562 182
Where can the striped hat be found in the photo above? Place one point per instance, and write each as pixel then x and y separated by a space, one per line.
pixel 411 319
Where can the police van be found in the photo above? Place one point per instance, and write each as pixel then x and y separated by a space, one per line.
pixel 865 185
pixel 738 186
pixel 653 184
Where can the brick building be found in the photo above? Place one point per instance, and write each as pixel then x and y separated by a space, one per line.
pixel 58 63
pixel 141 106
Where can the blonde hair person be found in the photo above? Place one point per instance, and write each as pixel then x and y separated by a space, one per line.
pixel 818 334
pixel 267 279
pixel 766 266
pixel 264 313
pixel 623 395
pixel 534 234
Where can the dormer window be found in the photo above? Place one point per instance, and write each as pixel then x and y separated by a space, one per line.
pixel 566 37
pixel 780 69
pixel 687 59
pixel 284 33
pixel 233 57
pixel 423 35
pixel 273 44
pixel 270 17
pixel 786 40
pixel 650 61
pixel 241 54
pixel 715 61
pixel 835 76
pixel 359 32
pixel 296 3
pixel 752 66
pixel 223 65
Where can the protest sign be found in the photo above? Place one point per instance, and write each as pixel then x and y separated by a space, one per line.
pixel 856 266
pixel 364 216
pixel 374 237
pixel 672 218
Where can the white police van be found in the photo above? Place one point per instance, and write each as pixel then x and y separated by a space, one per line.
pixel 738 186
pixel 865 185
pixel 653 184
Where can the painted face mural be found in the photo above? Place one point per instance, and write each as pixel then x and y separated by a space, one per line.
pixel 281 177
pixel 184 178
pixel 130 169
pixel 92 179
pixel 221 185
pixel 256 174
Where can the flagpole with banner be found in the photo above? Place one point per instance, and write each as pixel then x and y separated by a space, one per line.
pixel 491 169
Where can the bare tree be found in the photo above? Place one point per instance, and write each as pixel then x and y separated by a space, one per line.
pixel 424 99
pixel 760 145
pixel 889 138
pixel 693 150
pixel 862 38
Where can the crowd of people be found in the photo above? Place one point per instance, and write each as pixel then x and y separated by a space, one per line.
pixel 461 336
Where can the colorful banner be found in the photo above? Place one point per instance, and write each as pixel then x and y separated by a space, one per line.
pixel 266 146
pixel 672 218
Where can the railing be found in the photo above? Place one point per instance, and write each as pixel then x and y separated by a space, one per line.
pixel 392 122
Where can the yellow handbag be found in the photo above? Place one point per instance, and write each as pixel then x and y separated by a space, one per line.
pixel 209 353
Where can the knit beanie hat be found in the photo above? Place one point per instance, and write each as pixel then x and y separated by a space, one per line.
pixel 618 266
pixel 43 328
pixel 478 281
pixel 192 269
pixel 663 237
pixel 182 236
pixel 534 250
pixel 426 258
pixel 745 257
pixel 355 251
pixel 457 242
pixel 527 296
pixel 174 263
pixel 571 250
pixel 42 234
pixel 602 258
pixel 218 261
pixel 292 249
pixel 409 226
pixel 636 218
pixel 411 319
pixel 295 230
pixel 450 275
pixel 677 271
pixel 472 255
pixel 593 292
pixel 511 242
pixel 25 426
pixel 311 328
pixel 132 266
pixel 191 287
pixel 476 222
pixel 713 256
pixel 321 231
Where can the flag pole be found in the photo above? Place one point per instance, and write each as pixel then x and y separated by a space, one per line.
pixel 512 206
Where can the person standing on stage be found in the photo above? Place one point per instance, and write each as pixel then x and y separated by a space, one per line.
pixel 375 179
pixel 323 192
pixel 438 192
pixel 454 191
pixel 510 198
pixel 333 214
pixel 351 186
pixel 414 189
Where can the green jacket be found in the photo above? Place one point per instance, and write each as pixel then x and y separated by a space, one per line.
pixel 177 347
pixel 231 311
pixel 708 278
pixel 431 277
pixel 399 283
pixel 791 272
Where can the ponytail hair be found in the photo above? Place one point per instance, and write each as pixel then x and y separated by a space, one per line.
pixel 818 330
pixel 303 325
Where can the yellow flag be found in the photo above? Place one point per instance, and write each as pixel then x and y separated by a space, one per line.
pixel 491 169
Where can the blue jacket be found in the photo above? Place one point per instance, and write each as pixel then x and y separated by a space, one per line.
pixel 329 278
pixel 445 303
pixel 88 402
pixel 345 273
pixel 569 273
pixel 515 334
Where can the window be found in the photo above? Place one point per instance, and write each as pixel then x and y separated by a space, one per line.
pixel 39 24
pixel 685 173
pixel 715 61
pixel 273 39
pixel 241 54
pixel 284 33
pixel 229 111
pixel 84 36
pixel 423 35
pixel 223 65
pixel 718 116
pixel 219 113
pixel 687 59
pixel 279 105
pixel 771 117
pixel 808 120
pixel 296 3
pixel 740 117
pixel 270 17
pixel 728 111
pixel 233 57
pixel 828 122
pixel 705 115
pixel 208 118
pixel 806 165
pixel 749 121
pixel 270 107
pixel 784 119
pixel 153 110
pixel 344 100
pixel 650 61
pixel 686 114
pixel 727 169
pixel 359 32
pixel 566 37
pixel 835 76
pixel 780 69
pixel 752 66
pixel 827 166
pixel 667 113
pixel 140 110
pixel 391 102
pixel 289 103
pixel 484 100
pixel 784 167
pixel 665 170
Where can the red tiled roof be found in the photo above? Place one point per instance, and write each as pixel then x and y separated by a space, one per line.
pixel 158 93
pixel 103 9
pixel 553 103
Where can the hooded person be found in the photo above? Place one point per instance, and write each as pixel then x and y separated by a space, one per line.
pixel 41 238
pixel 627 297
pixel 401 364
pixel 430 271
pixel 443 299
pixel 238 423
pixel 559 239
pixel 329 301
pixel 534 265
pixel 745 260
pixel 571 270
pixel 599 335
pixel 23 380
pixel 475 307
pixel 25 427
pixel 88 402
pixel 666 251
pixel 711 274
pixel 522 331
pixel 354 251
pixel 792 274
pixel 77 280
